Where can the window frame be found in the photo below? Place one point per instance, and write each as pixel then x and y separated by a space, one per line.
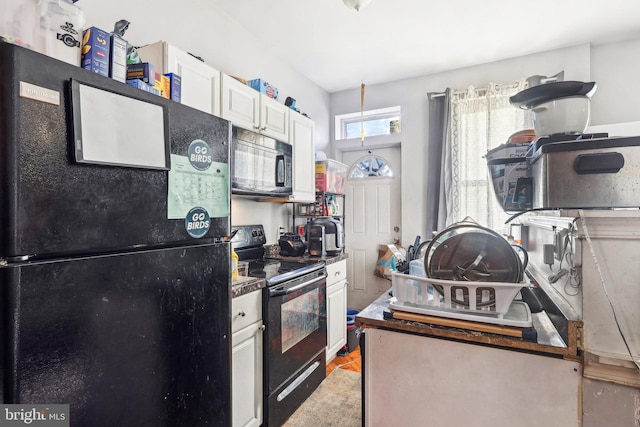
pixel 342 120
pixel 368 177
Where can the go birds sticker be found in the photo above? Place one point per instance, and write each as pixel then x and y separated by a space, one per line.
pixel 197 222
pixel 200 155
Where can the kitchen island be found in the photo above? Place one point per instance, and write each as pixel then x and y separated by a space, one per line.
pixel 447 376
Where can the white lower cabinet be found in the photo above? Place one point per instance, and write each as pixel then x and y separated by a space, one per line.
pixel 336 308
pixel 246 359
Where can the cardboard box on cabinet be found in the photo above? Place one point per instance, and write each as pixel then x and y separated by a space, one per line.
pixel 264 87
pixel 175 86
pixel 96 50
pixel 144 71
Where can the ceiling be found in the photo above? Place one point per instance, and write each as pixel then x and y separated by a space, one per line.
pixel 338 48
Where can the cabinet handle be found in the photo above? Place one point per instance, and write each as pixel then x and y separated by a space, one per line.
pixel 337 273
pixel 263 128
pixel 242 314
pixel 262 328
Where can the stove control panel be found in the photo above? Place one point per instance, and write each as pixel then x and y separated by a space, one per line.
pixel 246 236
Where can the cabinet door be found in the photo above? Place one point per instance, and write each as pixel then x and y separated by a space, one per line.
pixel 274 118
pixel 246 379
pixel 336 318
pixel 240 103
pixel 301 135
pixel 200 85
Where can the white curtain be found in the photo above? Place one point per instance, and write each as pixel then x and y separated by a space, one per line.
pixel 481 119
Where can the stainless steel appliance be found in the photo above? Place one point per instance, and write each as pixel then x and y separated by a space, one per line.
pixel 260 166
pixel 316 240
pixel 569 171
pixel 295 315
pixel 591 173
pixel 119 304
pixel 329 239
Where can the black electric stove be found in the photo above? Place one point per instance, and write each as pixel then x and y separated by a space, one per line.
pixel 294 311
pixel 248 242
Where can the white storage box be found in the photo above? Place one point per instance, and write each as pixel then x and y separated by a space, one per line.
pixel 469 297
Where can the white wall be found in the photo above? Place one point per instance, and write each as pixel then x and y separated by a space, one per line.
pixel 205 31
pixel 614 67
pixel 199 28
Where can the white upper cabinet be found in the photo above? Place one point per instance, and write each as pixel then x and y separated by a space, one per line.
pixel 252 110
pixel 200 85
pixel 240 103
pixel 301 136
pixel 274 118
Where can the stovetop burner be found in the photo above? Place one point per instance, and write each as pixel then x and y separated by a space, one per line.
pixel 248 241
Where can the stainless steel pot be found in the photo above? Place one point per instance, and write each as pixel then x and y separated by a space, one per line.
pixel 466 251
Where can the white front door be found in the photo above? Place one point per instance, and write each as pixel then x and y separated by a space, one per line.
pixel 372 218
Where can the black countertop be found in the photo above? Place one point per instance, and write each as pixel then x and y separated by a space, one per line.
pixel 245 285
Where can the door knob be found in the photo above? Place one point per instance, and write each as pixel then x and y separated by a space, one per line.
pixel 396 228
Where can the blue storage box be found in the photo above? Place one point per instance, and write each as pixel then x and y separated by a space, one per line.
pixel 144 86
pixel 264 87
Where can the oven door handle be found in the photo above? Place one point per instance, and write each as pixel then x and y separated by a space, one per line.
pixel 280 292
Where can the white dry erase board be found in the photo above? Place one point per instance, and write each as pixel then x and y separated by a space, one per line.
pixel 113 129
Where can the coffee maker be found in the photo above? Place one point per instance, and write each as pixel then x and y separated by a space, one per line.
pixel 326 237
pixel 315 240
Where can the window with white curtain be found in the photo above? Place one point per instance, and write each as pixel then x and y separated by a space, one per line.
pixel 481 119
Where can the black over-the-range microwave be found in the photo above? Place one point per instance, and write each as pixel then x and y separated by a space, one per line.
pixel 260 166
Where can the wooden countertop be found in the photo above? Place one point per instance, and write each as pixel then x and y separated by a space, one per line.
pixel 546 344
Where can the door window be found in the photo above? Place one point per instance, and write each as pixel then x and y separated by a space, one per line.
pixel 370 167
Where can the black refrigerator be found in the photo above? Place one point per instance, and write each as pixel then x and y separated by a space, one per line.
pixel 114 253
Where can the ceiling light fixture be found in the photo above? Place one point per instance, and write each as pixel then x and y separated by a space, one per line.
pixel 356 4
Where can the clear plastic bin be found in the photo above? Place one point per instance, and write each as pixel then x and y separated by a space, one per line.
pixel 330 176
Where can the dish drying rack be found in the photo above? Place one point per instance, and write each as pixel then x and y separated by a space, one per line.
pixel 488 302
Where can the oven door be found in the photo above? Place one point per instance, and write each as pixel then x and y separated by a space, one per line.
pixel 296 326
